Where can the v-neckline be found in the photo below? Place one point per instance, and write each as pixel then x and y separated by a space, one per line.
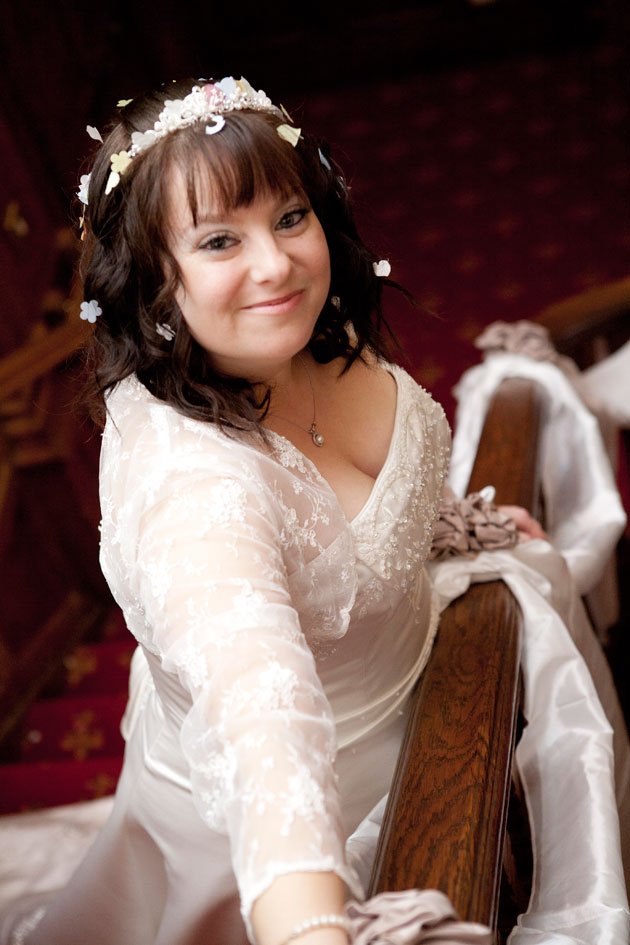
pixel 394 371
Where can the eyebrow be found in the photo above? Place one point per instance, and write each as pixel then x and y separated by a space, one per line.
pixel 210 218
pixel 204 220
pixel 188 233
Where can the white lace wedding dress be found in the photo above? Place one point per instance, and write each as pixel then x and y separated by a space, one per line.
pixel 275 633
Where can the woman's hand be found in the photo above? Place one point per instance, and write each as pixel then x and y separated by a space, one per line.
pixel 527 526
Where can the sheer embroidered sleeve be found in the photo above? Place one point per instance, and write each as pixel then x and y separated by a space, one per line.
pixel 211 587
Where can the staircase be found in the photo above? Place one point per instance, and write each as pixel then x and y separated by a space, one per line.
pixel 68 746
pixel 64 650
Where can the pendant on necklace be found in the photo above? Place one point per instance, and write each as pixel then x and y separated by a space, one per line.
pixel 316 437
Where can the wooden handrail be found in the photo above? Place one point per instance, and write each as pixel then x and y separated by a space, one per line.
pixel 507 456
pixel 591 324
pixel 444 826
pixel 40 355
pixel 448 801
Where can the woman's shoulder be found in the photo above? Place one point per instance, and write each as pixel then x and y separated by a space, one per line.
pixel 415 394
pixel 412 396
pixel 147 434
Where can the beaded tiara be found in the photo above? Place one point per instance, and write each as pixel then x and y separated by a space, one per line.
pixel 209 103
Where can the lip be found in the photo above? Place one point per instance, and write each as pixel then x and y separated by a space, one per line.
pixel 284 303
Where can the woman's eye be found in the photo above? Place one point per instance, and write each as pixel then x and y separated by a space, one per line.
pixel 218 243
pixel 292 218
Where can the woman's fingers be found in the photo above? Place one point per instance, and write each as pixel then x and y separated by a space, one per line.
pixel 527 526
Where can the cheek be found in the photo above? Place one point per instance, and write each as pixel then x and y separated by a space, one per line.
pixel 202 293
pixel 321 258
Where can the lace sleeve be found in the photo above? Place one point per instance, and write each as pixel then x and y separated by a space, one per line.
pixel 259 735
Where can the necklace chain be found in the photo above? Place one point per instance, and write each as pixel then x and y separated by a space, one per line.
pixel 317 438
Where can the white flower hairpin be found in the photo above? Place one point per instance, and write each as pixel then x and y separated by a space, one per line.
pixel 324 160
pixel 165 331
pixel 90 311
pixel 289 133
pixel 82 192
pixel 120 162
pixel 382 268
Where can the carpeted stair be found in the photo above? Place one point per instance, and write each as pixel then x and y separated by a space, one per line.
pixel 70 747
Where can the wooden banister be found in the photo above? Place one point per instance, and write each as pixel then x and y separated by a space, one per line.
pixel 449 797
pixel 40 355
pixel 591 324
pixel 48 544
pixel 445 822
pixel 507 455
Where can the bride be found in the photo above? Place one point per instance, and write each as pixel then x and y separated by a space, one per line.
pixel 269 483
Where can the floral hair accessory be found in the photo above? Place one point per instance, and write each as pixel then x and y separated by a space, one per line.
pixel 382 268
pixel 165 331
pixel 82 192
pixel 94 133
pixel 207 103
pixel 90 311
pixel 120 162
pixel 323 160
pixel 290 134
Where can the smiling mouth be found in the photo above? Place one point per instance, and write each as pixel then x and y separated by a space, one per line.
pixel 276 303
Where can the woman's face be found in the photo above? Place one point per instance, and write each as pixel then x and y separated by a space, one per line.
pixel 253 280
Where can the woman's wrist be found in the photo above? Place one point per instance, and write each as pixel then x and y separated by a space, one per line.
pixel 326 922
pixel 291 911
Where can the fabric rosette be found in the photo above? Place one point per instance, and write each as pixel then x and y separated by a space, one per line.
pixel 526 338
pixel 467 526
pixel 521 337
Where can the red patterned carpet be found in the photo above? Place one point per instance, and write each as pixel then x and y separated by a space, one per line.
pixel 71 747
pixel 494 190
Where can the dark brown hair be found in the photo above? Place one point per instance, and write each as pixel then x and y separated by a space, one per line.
pixel 127 254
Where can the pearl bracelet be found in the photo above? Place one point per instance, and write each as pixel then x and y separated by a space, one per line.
pixel 319 922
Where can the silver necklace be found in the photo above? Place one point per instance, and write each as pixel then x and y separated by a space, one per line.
pixel 317 438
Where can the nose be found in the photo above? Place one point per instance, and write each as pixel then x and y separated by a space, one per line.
pixel 270 261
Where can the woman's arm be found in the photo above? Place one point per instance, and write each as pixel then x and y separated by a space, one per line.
pixel 259 736
pixel 294 898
